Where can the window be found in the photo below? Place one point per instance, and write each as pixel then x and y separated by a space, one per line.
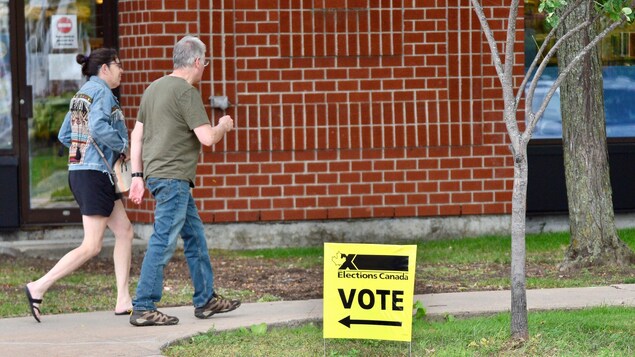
pixel 6 126
pixel 618 60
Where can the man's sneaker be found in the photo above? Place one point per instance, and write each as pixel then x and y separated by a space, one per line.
pixel 216 305
pixel 152 318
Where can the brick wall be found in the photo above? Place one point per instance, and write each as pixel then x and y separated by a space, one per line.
pixel 343 108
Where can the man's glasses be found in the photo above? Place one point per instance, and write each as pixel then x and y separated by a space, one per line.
pixel 205 64
pixel 118 64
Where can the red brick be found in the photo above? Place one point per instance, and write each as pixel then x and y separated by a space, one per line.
pixel 271 215
pixel 338 213
pixel 310 123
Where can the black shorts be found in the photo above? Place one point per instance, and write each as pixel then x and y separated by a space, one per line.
pixel 94 192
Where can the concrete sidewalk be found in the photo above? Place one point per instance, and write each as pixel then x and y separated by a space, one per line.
pixel 104 334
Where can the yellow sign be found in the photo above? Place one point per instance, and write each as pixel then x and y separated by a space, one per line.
pixel 368 291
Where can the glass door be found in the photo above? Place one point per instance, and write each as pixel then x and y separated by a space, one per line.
pixel 6 121
pixel 55 31
pixel 8 157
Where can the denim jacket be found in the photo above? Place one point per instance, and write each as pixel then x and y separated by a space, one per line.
pixel 94 113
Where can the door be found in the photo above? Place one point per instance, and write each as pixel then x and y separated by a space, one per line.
pixel 6 123
pixel 8 156
pixel 50 35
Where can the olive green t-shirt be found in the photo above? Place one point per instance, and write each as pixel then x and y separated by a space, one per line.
pixel 170 110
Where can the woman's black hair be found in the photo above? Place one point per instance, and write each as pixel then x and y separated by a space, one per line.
pixel 94 61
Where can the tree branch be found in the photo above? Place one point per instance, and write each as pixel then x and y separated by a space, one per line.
pixel 529 129
pixel 489 35
pixel 504 71
pixel 545 61
pixel 543 47
pixel 511 37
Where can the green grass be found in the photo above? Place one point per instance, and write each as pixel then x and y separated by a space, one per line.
pixel 79 292
pixel 45 163
pixel 63 194
pixel 303 256
pixel 495 249
pixel 472 264
pixel 448 265
pixel 457 265
pixel 540 247
pixel 603 331
pixel 314 253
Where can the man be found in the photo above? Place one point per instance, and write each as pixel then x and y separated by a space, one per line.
pixel 165 144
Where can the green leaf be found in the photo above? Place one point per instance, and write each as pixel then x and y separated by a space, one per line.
pixel 420 310
pixel 259 329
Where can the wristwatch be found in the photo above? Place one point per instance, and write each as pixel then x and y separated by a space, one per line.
pixel 137 174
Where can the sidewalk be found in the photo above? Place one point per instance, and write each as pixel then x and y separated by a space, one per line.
pixel 104 334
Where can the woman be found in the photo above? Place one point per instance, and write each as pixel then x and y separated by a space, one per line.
pixel 94 119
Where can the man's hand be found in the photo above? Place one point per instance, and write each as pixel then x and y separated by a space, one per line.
pixel 226 122
pixel 209 135
pixel 137 189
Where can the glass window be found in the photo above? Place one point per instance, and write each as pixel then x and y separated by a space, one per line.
pixel 618 60
pixel 6 126
pixel 55 32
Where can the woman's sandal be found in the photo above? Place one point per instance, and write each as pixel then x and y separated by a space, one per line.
pixel 32 304
pixel 127 313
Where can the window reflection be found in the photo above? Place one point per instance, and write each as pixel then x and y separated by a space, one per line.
pixel 55 32
pixel 6 127
pixel 618 58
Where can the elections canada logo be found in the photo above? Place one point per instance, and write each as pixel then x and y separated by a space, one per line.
pixel 365 266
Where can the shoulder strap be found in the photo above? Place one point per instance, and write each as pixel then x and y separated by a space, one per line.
pixel 113 175
pixel 90 138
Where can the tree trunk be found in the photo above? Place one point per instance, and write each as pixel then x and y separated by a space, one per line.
pixel 594 238
pixel 519 322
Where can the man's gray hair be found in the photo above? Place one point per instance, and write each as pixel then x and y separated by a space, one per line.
pixel 187 50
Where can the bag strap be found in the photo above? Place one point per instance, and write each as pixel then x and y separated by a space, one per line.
pixel 101 153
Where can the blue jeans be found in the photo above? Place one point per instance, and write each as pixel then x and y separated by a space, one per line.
pixel 175 214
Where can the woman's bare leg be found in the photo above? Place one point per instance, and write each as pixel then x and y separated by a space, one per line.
pixel 94 228
pixel 120 225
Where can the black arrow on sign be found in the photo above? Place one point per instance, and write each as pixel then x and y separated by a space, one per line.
pixel 348 322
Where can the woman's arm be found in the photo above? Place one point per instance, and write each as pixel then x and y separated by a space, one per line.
pixel 99 119
pixel 64 135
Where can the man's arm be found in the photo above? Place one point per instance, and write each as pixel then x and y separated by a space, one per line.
pixel 137 188
pixel 209 135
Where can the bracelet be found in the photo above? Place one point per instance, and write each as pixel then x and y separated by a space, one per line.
pixel 137 174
